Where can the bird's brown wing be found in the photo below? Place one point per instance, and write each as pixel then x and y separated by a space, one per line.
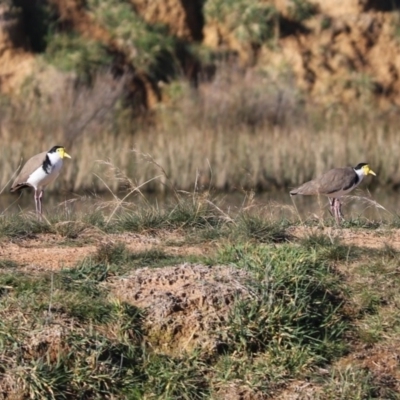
pixel 332 181
pixel 31 165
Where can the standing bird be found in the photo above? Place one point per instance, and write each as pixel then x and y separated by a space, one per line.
pixel 39 171
pixel 335 183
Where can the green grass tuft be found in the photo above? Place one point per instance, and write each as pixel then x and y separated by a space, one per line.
pixel 254 227
pixel 173 378
pixel 111 253
pixel 296 302
pixel 7 264
pixel 22 226
pixel 330 248
pixel 356 383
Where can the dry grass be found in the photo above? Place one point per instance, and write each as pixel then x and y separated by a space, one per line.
pixel 239 131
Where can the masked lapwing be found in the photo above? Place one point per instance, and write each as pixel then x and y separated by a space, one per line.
pixel 39 171
pixel 334 184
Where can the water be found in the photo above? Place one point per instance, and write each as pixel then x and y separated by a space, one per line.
pixel 380 205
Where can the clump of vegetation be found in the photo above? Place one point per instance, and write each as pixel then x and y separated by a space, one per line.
pixel 185 377
pixel 330 248
pixel 7 264
pixel 301 10
pixel 296 304
pixel 251 21
pixel 149 47
pixel 22 226
pixel 354 383
pixel 111 253
pixel 197 212
pixel 254 227
pixel 71 52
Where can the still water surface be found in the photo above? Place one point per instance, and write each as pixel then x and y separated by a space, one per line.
pixel 276 204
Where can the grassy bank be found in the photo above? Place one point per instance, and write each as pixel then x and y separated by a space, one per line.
pixel 240 131
pixel 189 302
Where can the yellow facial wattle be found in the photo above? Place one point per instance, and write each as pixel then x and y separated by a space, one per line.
pixel 63 153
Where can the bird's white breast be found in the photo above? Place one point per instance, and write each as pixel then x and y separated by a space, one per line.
pixel 39 178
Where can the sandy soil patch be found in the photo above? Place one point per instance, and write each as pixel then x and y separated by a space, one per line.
pixel 50 252
pixel 374 239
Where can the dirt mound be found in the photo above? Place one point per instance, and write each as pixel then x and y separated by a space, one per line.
pixel 185 305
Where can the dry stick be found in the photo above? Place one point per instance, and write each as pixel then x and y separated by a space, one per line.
pixel 43 216
pixel 124 178
pixel 297 211
pixel 147 157
pixel 321 207
pixel 51 294
pixel 227 217
pixel 196 180
pixel 248 200
pixel 119 174
pixel 211 173
pixel 12 177
pixel 4 187
pixel 15 201
pixel 373 202
pixel 120 177
pixel 132 191
pixel 121 201
pixel 107 187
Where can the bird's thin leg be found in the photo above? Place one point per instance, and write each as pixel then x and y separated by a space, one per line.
pixel 338 211
pixel 337 216
pixel 332 205
pixel 40 202
pixel 36 202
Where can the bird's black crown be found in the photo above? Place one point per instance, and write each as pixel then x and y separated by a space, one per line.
pixel 54 149
pixel 360 165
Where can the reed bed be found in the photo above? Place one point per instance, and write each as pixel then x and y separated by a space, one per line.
pixel 239 131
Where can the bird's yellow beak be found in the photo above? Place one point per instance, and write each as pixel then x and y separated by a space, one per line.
pixel 367 170
pixel 64 153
